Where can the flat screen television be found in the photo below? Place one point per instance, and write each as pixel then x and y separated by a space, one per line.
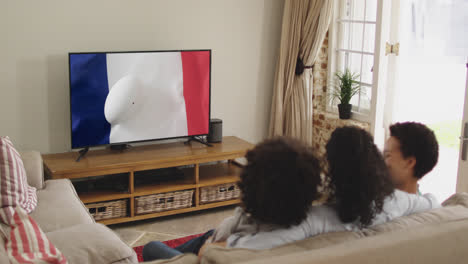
pixel 125 97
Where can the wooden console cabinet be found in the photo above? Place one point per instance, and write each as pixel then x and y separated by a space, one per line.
pixel 194 156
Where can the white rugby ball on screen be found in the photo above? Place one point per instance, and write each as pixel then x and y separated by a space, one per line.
pixel 124 99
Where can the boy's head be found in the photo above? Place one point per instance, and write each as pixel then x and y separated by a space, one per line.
pixel 280 181
pixel 410 152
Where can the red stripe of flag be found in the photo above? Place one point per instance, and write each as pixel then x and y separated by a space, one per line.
pixel 196 74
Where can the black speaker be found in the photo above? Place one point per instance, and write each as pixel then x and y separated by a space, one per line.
pixel 216 130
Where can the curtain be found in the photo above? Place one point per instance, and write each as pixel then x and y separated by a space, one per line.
pixel 305 24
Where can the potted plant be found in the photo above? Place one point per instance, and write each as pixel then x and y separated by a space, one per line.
pixel 345 86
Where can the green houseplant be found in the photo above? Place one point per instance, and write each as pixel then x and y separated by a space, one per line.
pixel 345 85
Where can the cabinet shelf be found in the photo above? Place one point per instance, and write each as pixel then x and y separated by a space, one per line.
pixel 219 174
pixel 178 184
pixel 100 196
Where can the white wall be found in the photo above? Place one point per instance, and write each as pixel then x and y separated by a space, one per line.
pixel 36 36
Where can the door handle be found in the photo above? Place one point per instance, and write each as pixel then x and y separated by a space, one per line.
pixel 464 142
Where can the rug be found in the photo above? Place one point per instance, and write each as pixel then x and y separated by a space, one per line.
pixel 172 243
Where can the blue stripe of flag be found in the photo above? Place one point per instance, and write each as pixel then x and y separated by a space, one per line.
pixel 88 93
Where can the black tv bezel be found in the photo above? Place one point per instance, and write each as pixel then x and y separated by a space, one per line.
pixel 136 141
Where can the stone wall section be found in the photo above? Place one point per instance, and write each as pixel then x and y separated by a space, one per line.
pixel 325 122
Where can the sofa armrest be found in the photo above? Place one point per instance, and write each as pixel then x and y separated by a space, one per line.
pixel 32 161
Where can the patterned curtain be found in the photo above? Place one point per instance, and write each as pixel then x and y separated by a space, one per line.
pixel 305 25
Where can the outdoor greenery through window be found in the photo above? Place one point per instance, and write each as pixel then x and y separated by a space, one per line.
pixel 355 23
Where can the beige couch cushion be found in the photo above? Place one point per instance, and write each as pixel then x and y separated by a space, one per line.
pixel 33 165
pixel 59 207
pixel 457 199
pixel 92 243
pixel 214 254
pixel 428 244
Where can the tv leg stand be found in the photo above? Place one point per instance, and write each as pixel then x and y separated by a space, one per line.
pixel 82 153
pixel 198 140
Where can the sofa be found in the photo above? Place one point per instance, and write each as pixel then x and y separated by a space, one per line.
pixel 67 223
pixel 436 236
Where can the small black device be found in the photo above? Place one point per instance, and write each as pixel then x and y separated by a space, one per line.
pixel 216 130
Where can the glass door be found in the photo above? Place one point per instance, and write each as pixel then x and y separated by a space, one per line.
pixel 427 76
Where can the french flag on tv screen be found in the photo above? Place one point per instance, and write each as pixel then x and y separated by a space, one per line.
pixel 136 96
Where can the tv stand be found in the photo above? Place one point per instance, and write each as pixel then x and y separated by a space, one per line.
pixel 203 168
pixel 193 138
pixel 120 147
pixel 82 153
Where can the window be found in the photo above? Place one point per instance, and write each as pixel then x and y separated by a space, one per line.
pixel 352 42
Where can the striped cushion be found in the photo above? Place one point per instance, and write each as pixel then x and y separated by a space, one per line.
pixel 26 243
pixel 14 188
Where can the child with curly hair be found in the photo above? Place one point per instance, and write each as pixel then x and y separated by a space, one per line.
pixel 278 185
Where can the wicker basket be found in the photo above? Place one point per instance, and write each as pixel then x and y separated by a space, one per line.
pixel 218 193
pixel 107 210
pixel 163 202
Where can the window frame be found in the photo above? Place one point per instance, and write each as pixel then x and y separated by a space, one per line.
pixel 333 49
